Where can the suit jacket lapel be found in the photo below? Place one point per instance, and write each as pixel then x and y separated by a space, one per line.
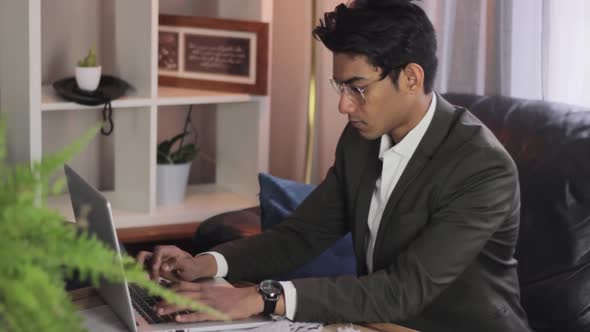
pixel 370 174
pixel 434 136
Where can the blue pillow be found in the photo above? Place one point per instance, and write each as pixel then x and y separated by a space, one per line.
pixel 278 199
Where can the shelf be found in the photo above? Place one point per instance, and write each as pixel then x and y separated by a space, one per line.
pixel 50 101
pixel 167 96
pixel 127 37
pixel 178 96
pixel 202 202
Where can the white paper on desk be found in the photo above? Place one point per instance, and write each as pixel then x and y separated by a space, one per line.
pixel 102 318
pixel 285 326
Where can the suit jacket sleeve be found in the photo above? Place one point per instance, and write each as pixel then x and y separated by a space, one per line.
pixel 479 196
pixel 317 223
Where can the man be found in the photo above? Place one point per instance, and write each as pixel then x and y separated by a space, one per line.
pixel 430 196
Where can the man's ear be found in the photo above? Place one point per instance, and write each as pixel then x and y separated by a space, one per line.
pixel 412 78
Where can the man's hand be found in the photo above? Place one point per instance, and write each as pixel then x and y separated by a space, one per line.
pixel 174 264
pixel 237 303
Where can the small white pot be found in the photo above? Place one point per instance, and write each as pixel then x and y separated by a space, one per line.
pixel 88 78
pixel 171 182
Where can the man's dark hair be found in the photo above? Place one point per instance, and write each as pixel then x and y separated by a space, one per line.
pixel 391 33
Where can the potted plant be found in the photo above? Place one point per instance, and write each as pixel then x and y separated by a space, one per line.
pixel 39 250
pixel 175 157
pixel 88 72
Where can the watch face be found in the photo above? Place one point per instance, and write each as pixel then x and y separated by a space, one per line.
pixel 270 287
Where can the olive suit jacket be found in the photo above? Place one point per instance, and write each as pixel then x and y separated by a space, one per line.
pixel 443 257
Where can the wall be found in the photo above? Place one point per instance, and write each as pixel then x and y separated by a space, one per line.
pixel 330 123
pixel 290 77
pixel 63 43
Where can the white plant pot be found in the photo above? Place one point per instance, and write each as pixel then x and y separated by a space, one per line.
pixel 171 182
pixel 88 78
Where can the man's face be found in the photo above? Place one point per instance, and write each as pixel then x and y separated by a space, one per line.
pixel 384 108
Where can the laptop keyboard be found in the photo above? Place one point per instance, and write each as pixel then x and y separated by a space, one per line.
pixel 143 303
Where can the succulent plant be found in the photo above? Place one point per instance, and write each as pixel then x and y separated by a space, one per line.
pixel 89 61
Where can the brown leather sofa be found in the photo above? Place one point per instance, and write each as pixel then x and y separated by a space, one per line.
pixel 550 143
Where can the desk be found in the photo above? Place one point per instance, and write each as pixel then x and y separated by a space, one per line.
pixel 85 298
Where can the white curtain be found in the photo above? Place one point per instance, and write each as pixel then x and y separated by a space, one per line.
pixel 537 49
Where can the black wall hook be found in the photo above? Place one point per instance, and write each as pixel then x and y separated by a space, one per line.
pixel 107 118
pixel 109 88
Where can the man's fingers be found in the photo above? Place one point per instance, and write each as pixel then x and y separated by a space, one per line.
pixel 165 261
pixel 161 255
pixel 185 286
pixel 144 259
pixel 170 269
pixel 143 256
pixel 166 309
pixel 156 262
pixel 169 264
pixel 171 275
pixel 195 317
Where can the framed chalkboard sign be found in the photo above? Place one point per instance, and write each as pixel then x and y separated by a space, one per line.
pixel 213 54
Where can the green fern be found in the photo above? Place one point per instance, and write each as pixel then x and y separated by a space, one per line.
pixel 39 250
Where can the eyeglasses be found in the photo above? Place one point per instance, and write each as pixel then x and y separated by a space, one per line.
pixel 356 94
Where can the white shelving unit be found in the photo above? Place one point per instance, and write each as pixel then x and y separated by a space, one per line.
pixel 42 42
pixel 203 201
pixel 168 96
pixel 50 101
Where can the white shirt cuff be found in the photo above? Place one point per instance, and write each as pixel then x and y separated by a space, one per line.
pixel 221 263
pixel 289 290
pixel 290 294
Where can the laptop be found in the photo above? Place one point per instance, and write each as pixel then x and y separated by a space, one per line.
pixel 130 303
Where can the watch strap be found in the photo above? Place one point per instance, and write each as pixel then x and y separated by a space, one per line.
pixel 271 298
pixel 269 305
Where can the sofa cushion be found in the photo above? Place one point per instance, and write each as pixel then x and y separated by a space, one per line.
pixel 550 143
pixel 278 199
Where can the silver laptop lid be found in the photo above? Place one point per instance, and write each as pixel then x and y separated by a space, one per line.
pixel 86 199
pixel 90 204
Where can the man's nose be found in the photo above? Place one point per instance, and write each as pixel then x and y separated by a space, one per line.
pixel 346 105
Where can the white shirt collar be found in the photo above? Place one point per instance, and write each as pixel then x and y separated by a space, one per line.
pixel 409 143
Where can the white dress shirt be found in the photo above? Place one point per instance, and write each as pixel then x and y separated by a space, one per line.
pixel 395 158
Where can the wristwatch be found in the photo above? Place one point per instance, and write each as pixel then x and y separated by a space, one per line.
pixel 270 290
